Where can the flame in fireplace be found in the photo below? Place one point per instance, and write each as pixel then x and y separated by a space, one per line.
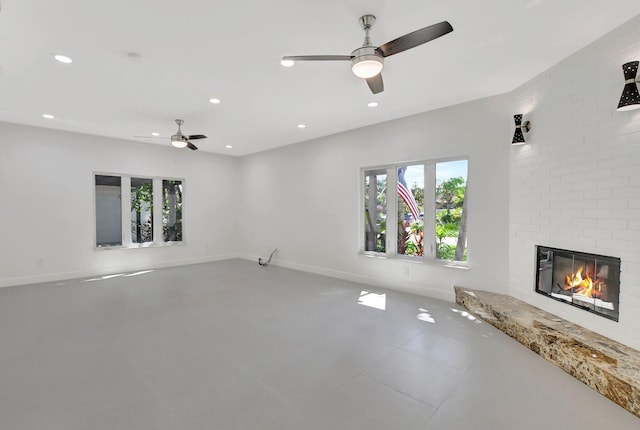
pixel 584 286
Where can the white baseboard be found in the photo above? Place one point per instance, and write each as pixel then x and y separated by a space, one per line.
pixel 405 287
pixel 61 276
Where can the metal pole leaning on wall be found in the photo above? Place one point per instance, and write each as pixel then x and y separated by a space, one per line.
pixel 266 263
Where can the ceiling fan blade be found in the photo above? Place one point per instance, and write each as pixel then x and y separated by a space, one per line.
pixel 317 58
pixel 415 38
pixel 196 136
pixel 375 84
pixel 191 146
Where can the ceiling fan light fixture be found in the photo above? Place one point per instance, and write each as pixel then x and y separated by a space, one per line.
pixel 366 62
pixel 367 66
pixel 178 141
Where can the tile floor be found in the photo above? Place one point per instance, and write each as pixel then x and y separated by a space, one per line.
pixel 232 345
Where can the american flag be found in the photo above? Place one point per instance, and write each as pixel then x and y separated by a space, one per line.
pixel 406 194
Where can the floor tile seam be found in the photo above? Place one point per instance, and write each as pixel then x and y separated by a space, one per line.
pixel 401 393
pixel 461 378
pixel 246 371
pixel 421 331
pixel 280 397
pixel 453 389
pixel 380 359
pixel 450 366
pixel 371 366
pixel 451 416
pixel 361 371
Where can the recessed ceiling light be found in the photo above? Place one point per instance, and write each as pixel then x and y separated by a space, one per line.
pixel 287 63
pixel 228 146
pixel 372 104
pixel 214 101
pixel 47 116
pixel 155 134
pixel 301 126
pixel 63 58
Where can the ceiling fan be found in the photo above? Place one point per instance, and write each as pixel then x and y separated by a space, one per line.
pixel 180 140
pixel 368 60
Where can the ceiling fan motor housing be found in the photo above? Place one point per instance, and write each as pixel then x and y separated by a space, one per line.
pixel 178 140
pixel 367 62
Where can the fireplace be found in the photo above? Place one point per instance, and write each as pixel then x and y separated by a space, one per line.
pixel 587 281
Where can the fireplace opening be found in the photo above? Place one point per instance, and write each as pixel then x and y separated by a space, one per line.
pixel 587 281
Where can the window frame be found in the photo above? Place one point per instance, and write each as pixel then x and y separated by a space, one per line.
pixel 152 209
pixel 161 233
pixel 429 218
pixel 95 210
pixel 125 207
pixel 364 173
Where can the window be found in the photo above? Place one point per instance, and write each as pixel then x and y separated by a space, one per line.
pixel 451 210
pixel 410 189
pixel 375 210
pixel 141 210
pixel 125 211
pixel 108 210
pixel 421 205
pixel 172 210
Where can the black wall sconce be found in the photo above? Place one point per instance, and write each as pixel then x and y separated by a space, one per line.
pixel 630 98
pixel 518 136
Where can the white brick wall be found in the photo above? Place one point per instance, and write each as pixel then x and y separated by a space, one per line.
pixel 576 183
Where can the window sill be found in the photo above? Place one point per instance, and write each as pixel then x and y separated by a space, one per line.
pixel 410 260
pixel 139 246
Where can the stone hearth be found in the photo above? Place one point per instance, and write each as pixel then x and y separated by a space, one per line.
pixel 607 366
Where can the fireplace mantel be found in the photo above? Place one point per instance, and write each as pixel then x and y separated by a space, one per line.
pixel 607 366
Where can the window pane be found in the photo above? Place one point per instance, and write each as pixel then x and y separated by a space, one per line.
pixel 451 214
pixel 108 211
pixel 410 210
pixel 141 210
pixel 375 211
pixel 172 210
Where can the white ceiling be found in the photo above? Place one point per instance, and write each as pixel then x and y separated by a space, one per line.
pixel 140 64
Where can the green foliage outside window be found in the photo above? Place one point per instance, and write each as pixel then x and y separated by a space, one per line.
pixel 451 220
pixel 172 210
pixel 141 201
pixel 376 213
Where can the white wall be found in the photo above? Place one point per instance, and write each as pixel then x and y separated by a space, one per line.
pixel 48 217
pixel 304 198
pixel 576 185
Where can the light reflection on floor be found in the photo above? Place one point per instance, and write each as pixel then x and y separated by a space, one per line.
pixel 118 275
pixel 373 300
pixel 138 273
pixel 467 315
pixel 425 316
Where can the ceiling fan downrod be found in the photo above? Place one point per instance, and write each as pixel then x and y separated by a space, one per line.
pixel 366 22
